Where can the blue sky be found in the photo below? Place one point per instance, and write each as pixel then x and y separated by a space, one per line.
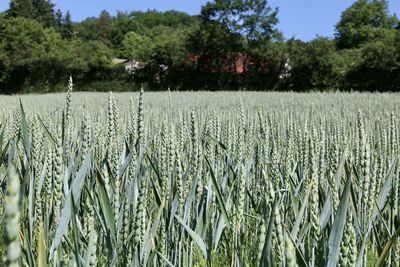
pixel 301 19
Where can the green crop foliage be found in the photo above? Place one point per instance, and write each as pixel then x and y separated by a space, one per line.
pixel 199 179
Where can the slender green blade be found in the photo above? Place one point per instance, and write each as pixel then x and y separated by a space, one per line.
pixel 336 234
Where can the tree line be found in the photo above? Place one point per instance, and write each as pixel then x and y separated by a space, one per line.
pixel 230 45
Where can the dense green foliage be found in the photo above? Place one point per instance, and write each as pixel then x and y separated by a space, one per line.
pixel 200 179
pixel 363 22
pixel 230 45
pixel 314 65
pixel 39 10
pixel 37 58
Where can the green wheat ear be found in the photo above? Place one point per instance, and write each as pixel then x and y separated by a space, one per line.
pixel 12 216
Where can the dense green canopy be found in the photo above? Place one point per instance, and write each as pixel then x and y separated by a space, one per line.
pixel 230 45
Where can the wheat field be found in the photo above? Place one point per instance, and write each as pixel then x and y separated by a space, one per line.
pixel 199 179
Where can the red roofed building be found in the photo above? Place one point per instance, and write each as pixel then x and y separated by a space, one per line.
pixel 238 63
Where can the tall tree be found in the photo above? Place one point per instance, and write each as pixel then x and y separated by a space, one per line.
pixel 40 10
pixel 230 27
pixel 26 40
pixel 31 52
pixel 379 66
pixel 20 8
pixel 240 25
pixel 104 25
pixel 312 65
pixel 363 22
pixel 67 27
pixel 251 19
pixel 136 46
pixel 97 28
pixel 59 19
pixel 43 11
